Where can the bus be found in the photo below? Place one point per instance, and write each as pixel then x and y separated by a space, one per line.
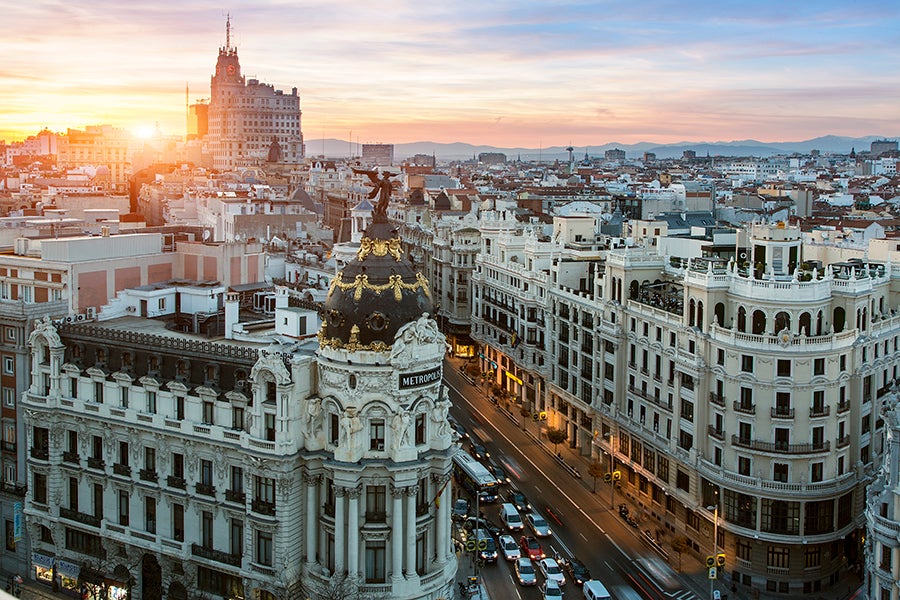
pixel 474 477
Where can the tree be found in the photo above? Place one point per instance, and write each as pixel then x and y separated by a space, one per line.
pixel 526 414
pixel 595 470
pixel 679 545
pixel 556 436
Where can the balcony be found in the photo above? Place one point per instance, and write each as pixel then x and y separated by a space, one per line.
pixel 176 482
pixel 782 412
pixel 819 411
pixel 216 555
pixel 71 457
pixel 717 399
pixel 781 447
pixel 123 470
pixel 719 434
pixel 40 453
pixel 235 496
pixel 80 517
pixel 205 489
pixel 15 489
pixel 843 407
pixel 148 475
pixel 264 508
pixel 9 446
pixel 746 408
pixel 96 463
pixel 842 442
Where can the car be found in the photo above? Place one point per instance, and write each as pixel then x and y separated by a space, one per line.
pixel 475 522
pixel 498 472
pixel 538 524
pixel 518 499
pixel 531 547
pixel 487 548
pixel 551 591
pixel 460 509
pixel 509 547
pixel 576 570
pixel 550 569
pixel 461 432
pixel 479 451
pixel 525 572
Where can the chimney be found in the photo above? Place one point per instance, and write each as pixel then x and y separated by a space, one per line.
pixel 232 306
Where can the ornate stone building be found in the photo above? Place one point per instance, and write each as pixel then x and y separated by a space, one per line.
pixel 171 466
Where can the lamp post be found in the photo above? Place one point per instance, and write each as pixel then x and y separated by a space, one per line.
pixel 715 553
pixel 612 480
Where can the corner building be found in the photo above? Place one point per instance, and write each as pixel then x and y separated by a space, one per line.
pixel 748 379
pixel 163 465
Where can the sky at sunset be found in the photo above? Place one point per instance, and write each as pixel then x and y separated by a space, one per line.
pixel 518 73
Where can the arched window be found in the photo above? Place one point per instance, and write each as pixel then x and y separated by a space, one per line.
pixel 819 323
pixel 805 324
pixel 633 290
pixel 759 322
pixel 691 309
pixel 839 319
pixel 700 314
pixel 720 314
pixel 782 321
pixel 742 319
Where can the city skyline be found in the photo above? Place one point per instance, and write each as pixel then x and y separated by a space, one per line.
pixel 581 73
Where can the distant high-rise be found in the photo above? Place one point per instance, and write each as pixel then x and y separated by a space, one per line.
pixel 378 154
pixel 250 123
pixel 198 120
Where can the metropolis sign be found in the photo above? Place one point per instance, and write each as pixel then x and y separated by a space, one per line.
pixel 411 380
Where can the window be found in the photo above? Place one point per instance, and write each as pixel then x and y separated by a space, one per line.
pixel 780 472
pixel 376 498
pixel 720 356
pixel 375 562
pixel 743 465
pixel 150 460
pixel 746 363
pixel 178 465
pixel 123 397
pixel 376 434
pixel 743 549
pixel 9 365
pixel 885 563
pixel 73 387
pixel 334 430
pixel 178 522
pixel 179 408
pixel 687 410
pixel 97 493
pixel 123 507
pixel 778 556
pixel 98 392
pixel 123 453
pixel 683 480
pixel 420 429
pixel 237 537
pixel 206 472
pixel 11 535
pixel 72 442
pixel 151 402
pixel 265 490
pixel 843 362
pixel 813 557
pixel 264 548
pixel 237 418
pixel 269 419
pixel 779 516
pixel 818 366
pixel 784 368
pixel 150 514
pixel 73 493
pixel 685 439
pixel 9 397
pixel 208 413
pixel 40 488
pixel 817 470
pixel 161 305
pixel 10 333
pixel 237 480
pixel 206 529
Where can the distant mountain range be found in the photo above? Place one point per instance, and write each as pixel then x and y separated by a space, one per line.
pixel 333 148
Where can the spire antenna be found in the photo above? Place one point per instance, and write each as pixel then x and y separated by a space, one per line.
pixel 228 31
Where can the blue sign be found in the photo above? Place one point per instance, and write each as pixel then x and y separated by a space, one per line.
pixel 17 521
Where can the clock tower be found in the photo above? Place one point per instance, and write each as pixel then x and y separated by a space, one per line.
pixel 228 67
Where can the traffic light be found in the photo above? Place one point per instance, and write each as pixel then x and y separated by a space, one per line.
pixel 607 477
pixel 710 562
pixel 720 559
pixel 712 573
pixel 542 415
pixel 617 475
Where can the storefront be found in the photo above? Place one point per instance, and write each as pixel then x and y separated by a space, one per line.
pixel 43 568
pixel 67 577
pixel 96 586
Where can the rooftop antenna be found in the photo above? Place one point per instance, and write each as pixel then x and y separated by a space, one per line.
pixel 228 31
pixel 187 111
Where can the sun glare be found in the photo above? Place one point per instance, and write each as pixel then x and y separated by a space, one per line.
pixel 144 131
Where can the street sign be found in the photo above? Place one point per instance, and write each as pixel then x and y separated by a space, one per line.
pixel 712 573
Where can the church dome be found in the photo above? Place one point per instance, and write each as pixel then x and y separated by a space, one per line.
pixel 375 295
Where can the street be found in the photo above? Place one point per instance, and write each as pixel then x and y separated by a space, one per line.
pixel 582 523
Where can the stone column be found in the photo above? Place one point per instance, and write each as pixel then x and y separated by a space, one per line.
pixel 411 492
pixel 442 515
pixel 397 533
pixel 339 530
pixel 312 517
pixel 353 534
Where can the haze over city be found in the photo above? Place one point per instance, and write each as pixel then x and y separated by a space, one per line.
pixel 501 73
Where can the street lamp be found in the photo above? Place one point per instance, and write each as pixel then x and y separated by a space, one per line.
pixel 715 553
pixel 608 436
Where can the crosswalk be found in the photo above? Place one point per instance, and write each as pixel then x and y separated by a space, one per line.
pixel 682 595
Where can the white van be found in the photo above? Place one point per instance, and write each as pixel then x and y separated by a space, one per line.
pixel 594 590
pixel 510 517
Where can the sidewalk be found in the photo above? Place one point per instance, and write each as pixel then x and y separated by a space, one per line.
pixel 30 590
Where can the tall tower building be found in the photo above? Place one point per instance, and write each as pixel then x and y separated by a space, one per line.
pixel 250 123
